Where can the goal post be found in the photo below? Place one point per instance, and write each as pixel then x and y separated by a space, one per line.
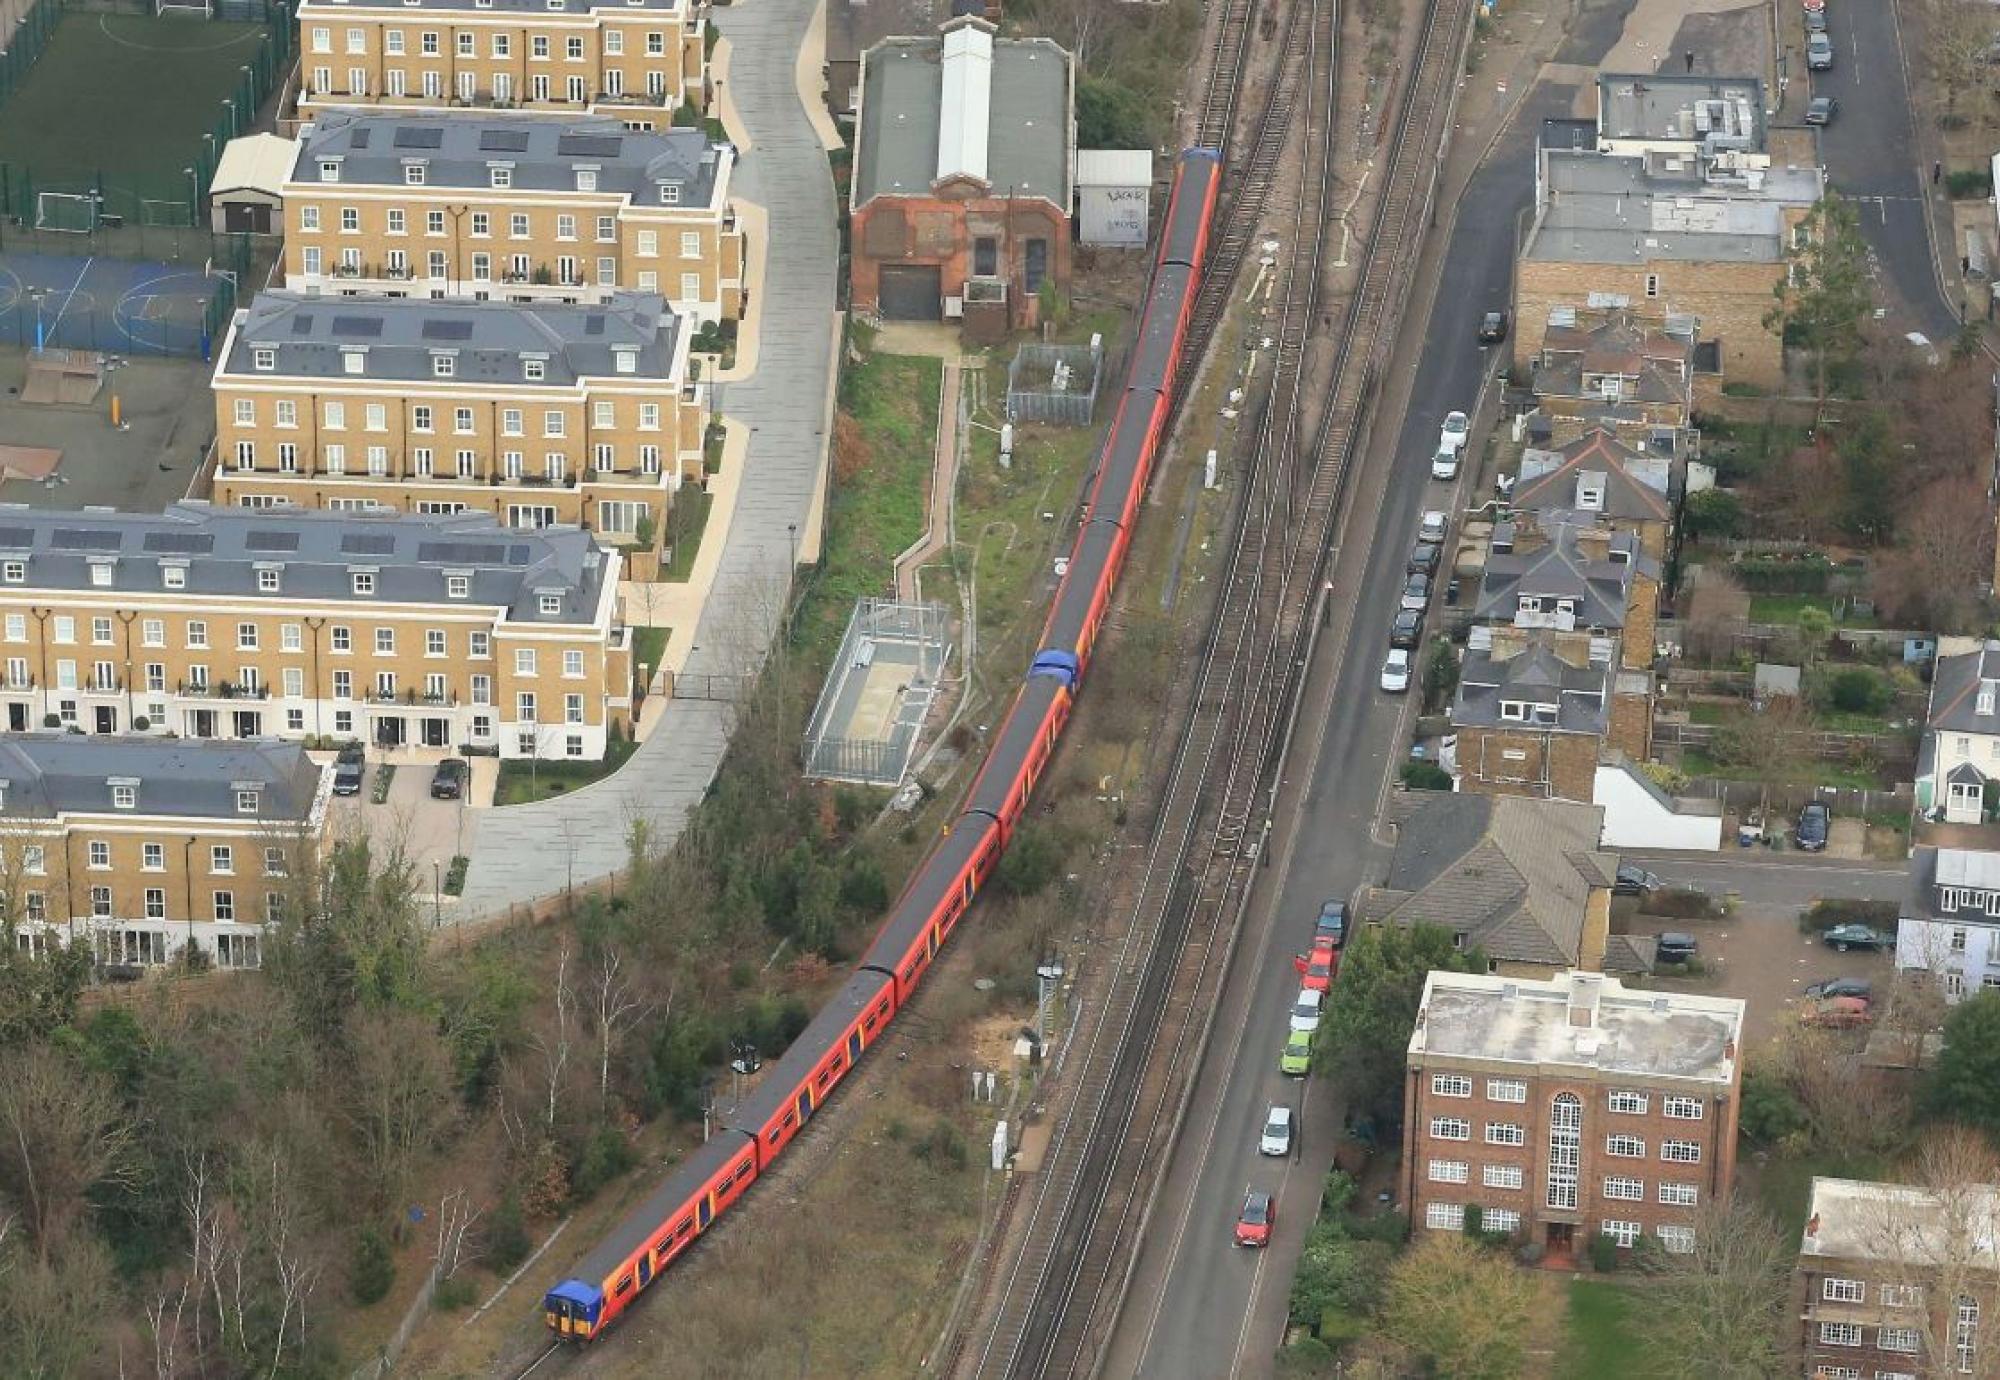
pixel 70 212
pixel 178 214
pixel 189 9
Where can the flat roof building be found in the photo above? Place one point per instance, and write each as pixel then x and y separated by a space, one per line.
pixel 1645 112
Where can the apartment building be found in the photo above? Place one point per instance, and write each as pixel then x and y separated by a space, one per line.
pixel 1570 1107
pixel 436 631
pixel 513 208
pixel 637 61
pixel 142 846
pixel 538 415
pixel 1894 1282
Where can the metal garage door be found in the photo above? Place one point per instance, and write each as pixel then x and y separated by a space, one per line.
pixel 911 292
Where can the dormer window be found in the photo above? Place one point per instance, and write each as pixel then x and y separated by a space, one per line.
pixel 501 174
pixel 443 365
pixel 14 572
pixel 586 179
pixel 1620 556
pixel 353 361
pixel 267 579
pixel 1513 710
pixel 329 170
pixel 551 605
pixel 534 370
pixel 100 574
pixel 1529 603
pixel 363 582
pixel 124 794
pixel 457 586
pixel 1590 497
pixel 264 358
pixel 247 800
pixel 414 174
pixel 670 193
pixel 174 576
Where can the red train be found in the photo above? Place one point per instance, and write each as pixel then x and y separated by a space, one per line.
pixel 612 1275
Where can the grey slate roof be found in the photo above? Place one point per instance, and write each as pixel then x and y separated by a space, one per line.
pixel 50 773
pixel 1573 358
pixel 1510 873
pixel 458 150
pixel 1635 483
pixel 222 550
pixel 1535 675
pixel 1559 568
pixel 399 335
pixel 1606 208
pixel 1028 133
pixel 1955 691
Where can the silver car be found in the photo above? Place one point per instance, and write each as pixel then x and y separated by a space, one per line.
pixel 1277 1137
pixel 1819 52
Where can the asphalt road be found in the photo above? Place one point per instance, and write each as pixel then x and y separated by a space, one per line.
pixel 1870 155
pixel 1757 878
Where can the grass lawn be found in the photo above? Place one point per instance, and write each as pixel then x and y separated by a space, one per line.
pixel 1597 1337
pixel 127 96
pixel 524 781
pixel 1784 1185
pixel 1784 608
pixel 648 646
pixel 685 532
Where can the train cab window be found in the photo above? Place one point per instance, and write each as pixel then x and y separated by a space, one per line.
pixel 869 1021
pixel 775 1133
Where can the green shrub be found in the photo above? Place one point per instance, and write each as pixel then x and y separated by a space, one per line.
pixel 1603 1253
pixel 507 1239
pixel 1823 915
pixel 1859 690
pixel 1425 776
pixel 1031 862
pixel 605 1156
pixel 1715 513
pixel 372 1270
pixel 944 1147
pixel 1969 184
pixel 1109 115
pixel 453 1294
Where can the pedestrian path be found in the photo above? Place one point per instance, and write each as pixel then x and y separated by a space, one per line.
pixel 528 851
pixel 944 479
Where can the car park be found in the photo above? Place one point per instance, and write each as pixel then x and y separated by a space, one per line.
pixel 1815 823
pixel 1634 881
pixel 1840 987
pixel 1254 1222
pixel 1416 593
pixel 448 781
pixel 1277 1137
pixel 1406 629
pixel 1493 328
pixel 1423 558
pixel 1295 1061
pixel 1820 110
pixel 1453 434
pixel 1432 526
pixel 1819 52
pixel 1837 1013
pixel 1444 465
pixel 1396 671
pixel 1316 969
pixel 1845 937
pixel 1675 947
pixel 1332 923
pixel 1305 1010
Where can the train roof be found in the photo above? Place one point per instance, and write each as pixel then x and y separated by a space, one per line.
pixel 1079 591
pixel 1155 346
pixel 919 901
pixel 1025 721
pixel 781 1080
pixel 639 1225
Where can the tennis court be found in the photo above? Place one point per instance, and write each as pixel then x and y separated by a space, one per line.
pixel 118 306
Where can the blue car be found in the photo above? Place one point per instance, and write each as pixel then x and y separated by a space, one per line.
pixel 1332 923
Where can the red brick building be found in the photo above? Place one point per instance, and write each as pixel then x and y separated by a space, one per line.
pixel 960 206
pixel 1566 1108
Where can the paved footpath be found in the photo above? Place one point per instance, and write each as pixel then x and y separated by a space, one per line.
pixel 527 851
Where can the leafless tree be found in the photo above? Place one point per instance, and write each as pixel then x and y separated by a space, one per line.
pixel 62 1133
pixel 552 1042
pixel 1849 1106
pixel 457 1244
pixel 1716 1310
pixel 399 1099
pixel 616 1007
pixel 1958 36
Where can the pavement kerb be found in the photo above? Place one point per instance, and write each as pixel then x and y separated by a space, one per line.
pixel 806 72
pixel 813 532
pixel 677 604
pixel 756 222
pixel 718 75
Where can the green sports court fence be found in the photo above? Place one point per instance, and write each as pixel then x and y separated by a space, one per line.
pixel 26 44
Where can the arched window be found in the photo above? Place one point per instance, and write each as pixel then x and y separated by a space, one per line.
pixel 1565 1150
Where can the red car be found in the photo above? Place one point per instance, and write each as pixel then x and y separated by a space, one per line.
pixel 1838 1013
pixel 1316 969
pixel 1253 1224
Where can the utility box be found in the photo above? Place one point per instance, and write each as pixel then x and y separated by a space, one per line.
pixel 1114 190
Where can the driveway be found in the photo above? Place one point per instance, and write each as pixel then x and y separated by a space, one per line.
pixel 1759 955
pixel 430 832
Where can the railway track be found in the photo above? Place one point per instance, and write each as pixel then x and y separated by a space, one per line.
pixel 1093 1193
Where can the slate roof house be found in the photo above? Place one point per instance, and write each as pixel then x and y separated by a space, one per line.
pixel 1570 571
pixel 1629 490
pixel 1960 751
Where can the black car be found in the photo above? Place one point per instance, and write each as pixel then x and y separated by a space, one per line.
pixel 352 751
pixel 1634 881
pixel 1493 328
pixel 347 777
pixel 1407 629
pixel 1424 557
pixel 448 781
pixel 1674 947
pixel 1332 922
pixel 1815 822
pixel 1840 987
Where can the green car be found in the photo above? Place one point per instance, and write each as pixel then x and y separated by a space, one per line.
pixel 1297 1058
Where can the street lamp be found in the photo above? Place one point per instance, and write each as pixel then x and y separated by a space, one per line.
pixel 437 893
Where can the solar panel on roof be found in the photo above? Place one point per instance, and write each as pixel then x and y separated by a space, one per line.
pixel 271 541
pixel 419 137
pixel 16 538
pixel 588 145
pixel 447 330
pixel 593 325
pixel 369 327
pixel 180 543
pixel 517 555
pixel 360 138
pixel 367 544
pixel 461 552
pixel 503 141
pixel 302 324
pixel 83 539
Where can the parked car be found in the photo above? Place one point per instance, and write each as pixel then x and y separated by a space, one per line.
pixel 1820 110
pixel 1406 629
pixel 1634 881
pixel 1396 671
pixel 1675 947
pixel 1305 1010
pixel 1416 593
pixel 352 751
pixel 1816 21
pixel 1332 923
pixel 347 777
pixel 1296 1059
pixel 1423 558
pixel 1837 1013
pixel 1253 1224
pixel 448 781
pixel 1815 823
pixel 1432 526
pixel 1845 937
pixel 1819 52
pixel 1277 1137
pixel 1453 434
pixel 1444 465
pixel 1840 987
pixel 1493 328
pixel 1317 968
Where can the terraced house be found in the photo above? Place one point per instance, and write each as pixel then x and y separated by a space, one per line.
pixel 637 60
pixel 443 632
pixel 513 208
pixel 145 846
pixel 538 415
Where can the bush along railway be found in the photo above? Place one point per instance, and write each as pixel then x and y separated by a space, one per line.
pixel 611 1277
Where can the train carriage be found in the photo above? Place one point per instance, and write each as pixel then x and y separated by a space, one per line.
pixel 932 903
pixel 823 1054
pixel 1191 208
pixel 1128 452
pixel 1023 747
pixel 1160 332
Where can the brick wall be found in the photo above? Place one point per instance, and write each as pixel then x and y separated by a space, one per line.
pixel 942 230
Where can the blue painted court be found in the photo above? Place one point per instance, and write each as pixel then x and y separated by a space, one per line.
pixel 117 306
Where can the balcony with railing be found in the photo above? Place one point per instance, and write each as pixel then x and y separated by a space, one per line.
pixel 221 690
